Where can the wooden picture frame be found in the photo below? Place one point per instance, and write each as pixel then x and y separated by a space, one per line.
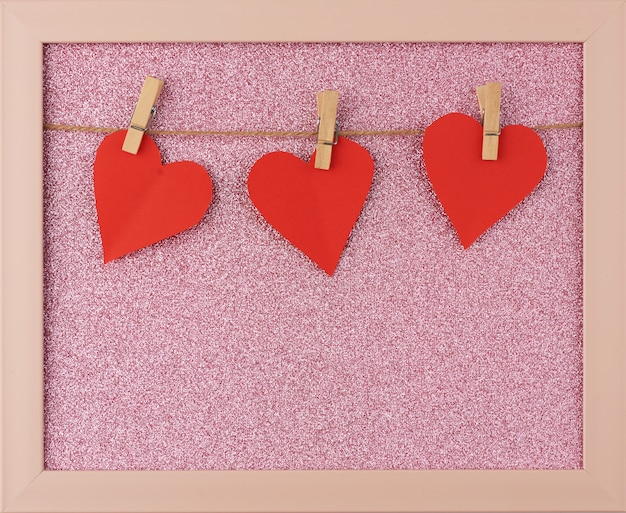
pixel 27 24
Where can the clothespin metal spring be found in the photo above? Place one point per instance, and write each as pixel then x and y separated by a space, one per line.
pixel 336 137
pixel 143 128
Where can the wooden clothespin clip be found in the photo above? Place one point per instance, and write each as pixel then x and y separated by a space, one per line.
pixel 143 113
pixel 327 132
pixel 489 102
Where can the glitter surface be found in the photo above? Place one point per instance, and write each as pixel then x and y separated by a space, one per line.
pixel 225 348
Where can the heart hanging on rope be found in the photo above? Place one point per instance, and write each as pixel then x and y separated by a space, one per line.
pixel 314 209
pixel 140 201
pixel 476 193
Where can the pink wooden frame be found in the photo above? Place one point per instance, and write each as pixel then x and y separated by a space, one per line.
pixel 27 24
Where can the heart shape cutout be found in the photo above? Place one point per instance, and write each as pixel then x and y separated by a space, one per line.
pixel 477 193
pixel 140 201
pixel 314 209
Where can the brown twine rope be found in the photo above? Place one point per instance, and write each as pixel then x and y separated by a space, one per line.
pixel 261 133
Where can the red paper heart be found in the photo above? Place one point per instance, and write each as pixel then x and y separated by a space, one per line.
pixel 314 209
pixel 476 193
pixel 140 201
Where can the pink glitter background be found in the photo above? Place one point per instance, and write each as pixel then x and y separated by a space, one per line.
pixel 226 348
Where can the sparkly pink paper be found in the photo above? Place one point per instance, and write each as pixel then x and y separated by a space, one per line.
pixel 226 348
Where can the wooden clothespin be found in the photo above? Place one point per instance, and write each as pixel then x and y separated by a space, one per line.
pixel 142 115
pixel 327 129
pixel 489 102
